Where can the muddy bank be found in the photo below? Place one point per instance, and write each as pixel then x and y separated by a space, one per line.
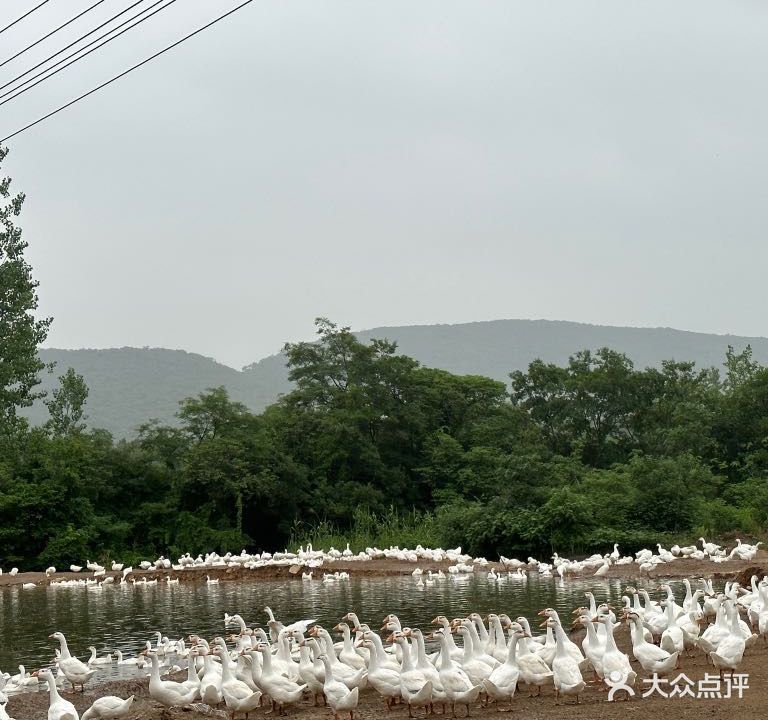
pixel 680 568
pixel 751 706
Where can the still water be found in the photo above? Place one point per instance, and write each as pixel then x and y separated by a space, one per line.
pixel 124 617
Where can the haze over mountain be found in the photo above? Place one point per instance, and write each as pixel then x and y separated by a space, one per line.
pixel 128 386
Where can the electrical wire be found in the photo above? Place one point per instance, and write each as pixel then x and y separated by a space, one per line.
pixel 82 37
pixel 125 72
pixel 26 14
pixel 55 30
pixel 51 74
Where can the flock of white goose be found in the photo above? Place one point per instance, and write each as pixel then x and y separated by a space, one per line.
pixel 290 663
pixel 597 565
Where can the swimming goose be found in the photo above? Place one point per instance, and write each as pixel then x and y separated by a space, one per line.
pixel 95 660
pixel 128 661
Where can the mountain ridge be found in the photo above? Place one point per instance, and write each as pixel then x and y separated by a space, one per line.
pixel 129 385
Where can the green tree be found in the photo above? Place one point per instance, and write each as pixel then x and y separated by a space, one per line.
pixel 739 367
pixel 20 331
pixel 67 406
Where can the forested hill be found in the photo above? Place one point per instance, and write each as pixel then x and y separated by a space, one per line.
pixel 130 385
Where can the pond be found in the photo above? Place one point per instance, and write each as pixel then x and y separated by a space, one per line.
pixel 124 617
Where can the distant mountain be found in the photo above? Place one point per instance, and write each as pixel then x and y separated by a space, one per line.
pixel 130 385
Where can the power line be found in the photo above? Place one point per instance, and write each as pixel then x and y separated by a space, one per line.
pixel 125 72
pixel 51 74
pixel 26 14
pixel 55 30
pixel 82 37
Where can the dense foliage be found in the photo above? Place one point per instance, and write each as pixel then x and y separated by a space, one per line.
pixel 374 447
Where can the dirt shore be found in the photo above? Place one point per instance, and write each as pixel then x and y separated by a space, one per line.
pixel 380 568
pixel 33 706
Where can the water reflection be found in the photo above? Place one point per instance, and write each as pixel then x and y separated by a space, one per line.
pixel 124 617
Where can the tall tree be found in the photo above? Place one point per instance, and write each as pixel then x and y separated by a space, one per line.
pixel 67 406
pixel 20 331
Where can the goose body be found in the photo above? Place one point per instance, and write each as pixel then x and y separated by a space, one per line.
pixel 652 658
pixel 58 707
pixel 502 682
pixel 383 680
pixel 76 671
pixel 96 660
pixel 108 707
pixel 167 692
pixel 566 673
pixel 730 649
pixel 338 696
pixel 459 689
pixel 280 689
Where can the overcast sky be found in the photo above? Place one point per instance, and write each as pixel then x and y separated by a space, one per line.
pixel 387 163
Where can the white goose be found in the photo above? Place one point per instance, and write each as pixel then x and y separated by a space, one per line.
pixel 338 696
pixel 474 667
pixel 281 690
pixel 593 646
pixel 567 677
pixel 347 655
pixel 652 658
pixel 108 708
pixel 428 669
pixel 383 680
pixel 502 682
pixel 730 650
pixel 58 707
pixel 95 660
pixel 415 687
pixel 458 688
pixel 167 692
pixel 210 682
pixel 243 704
pixel 534 671
pixel 569 646
pixel 615 663
pixel 672 638
pixel 308 672
pixel 237 690
pixel 76 671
